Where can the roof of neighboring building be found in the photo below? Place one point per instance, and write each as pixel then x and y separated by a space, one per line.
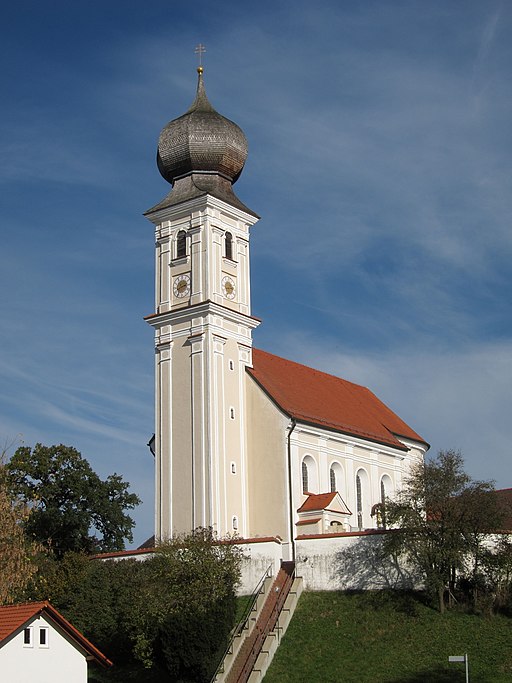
pixel 327 401
pixel 14 617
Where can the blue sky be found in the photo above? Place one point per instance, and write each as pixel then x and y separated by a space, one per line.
pixel 380 161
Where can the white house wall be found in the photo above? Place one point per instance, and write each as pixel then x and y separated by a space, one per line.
pixel 60 662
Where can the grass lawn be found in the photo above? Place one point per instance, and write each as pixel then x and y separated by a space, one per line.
pixel 388 638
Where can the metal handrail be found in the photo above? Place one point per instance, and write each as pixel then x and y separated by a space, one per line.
pixel 252 601
pixel 271 622
pixel 237 630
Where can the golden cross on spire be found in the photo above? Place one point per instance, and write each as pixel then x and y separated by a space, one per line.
pixel 200 50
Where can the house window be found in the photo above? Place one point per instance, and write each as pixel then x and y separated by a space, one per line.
pixel 27 636
pixel 305 477
pixel 43 636
pixel 234 522
pixel 181 244
pixel 228 246
pixel 359 502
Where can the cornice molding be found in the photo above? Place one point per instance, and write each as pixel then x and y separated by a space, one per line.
pixel 202 203
pixel 202 310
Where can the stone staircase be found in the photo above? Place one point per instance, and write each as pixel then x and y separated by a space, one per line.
pixel 253 648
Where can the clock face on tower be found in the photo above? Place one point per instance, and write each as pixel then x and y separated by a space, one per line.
pixel 228 287
pixel 181 286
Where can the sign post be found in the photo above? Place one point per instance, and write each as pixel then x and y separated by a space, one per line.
pixel 462 658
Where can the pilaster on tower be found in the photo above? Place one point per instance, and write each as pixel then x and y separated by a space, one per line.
pixel 203 325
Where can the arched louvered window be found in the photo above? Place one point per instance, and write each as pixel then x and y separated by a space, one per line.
pixel 332 477
pixel 228 246
pixel 181 244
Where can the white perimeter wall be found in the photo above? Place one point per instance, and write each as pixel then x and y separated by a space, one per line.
pixel 260 554
pixel 259 557
pixel 349 562
pixel 334 562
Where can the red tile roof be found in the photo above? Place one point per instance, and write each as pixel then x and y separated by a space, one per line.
pixel 13 617
pixel 317 501
pixel 327 401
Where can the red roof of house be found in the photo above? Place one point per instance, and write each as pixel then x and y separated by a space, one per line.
pixel 14 617
pixel 324 400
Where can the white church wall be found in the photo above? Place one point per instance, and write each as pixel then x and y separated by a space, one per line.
pixel 321 449
pixel 267 469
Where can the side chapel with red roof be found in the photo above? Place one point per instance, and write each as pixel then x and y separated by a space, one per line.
pixel 247 442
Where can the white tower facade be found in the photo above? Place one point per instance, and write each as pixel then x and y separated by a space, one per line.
pixel 202 324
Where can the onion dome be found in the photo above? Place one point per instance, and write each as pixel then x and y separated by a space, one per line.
pixel 201 141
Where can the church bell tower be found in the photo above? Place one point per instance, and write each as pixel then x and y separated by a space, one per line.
pixel 203 325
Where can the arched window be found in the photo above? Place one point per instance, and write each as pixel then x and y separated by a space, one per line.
pixel 181 244
pixel 228 246
pixel 336 478
pixel 305 477
pixel 362 500
pixel 309 475
pixel 386 490
pixel 359 502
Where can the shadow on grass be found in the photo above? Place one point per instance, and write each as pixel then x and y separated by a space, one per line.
pixel 441 674
pixel 410 603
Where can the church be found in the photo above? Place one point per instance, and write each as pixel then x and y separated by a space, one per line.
pixel 246 442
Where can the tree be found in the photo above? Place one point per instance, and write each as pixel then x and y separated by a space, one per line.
pixel 166 618
pixel 17 554
pixel 186 605
pixel 71 507
pixel 440 520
